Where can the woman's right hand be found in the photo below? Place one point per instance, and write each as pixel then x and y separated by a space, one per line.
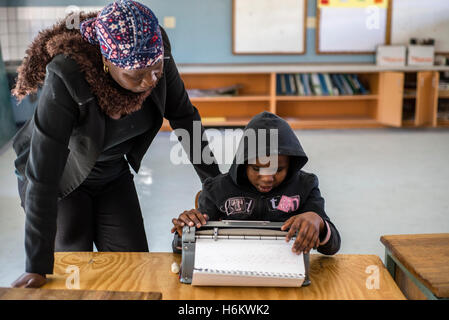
pixel 29 280
pixel 191 218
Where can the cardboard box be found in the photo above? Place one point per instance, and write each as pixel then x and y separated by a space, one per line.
pixel 391 56
pixel 421 55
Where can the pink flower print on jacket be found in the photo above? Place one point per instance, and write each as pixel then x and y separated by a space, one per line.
pixel 288 204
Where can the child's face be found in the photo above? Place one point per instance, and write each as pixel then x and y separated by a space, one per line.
pixel 266 181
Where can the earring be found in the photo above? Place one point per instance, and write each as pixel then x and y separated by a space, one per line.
pixel 105 68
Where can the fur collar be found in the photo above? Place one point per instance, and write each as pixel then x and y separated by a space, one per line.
pixel 111 98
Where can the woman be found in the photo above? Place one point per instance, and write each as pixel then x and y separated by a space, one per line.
pixel 105 92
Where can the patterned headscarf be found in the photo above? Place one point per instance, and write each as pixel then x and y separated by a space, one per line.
pixel 128 34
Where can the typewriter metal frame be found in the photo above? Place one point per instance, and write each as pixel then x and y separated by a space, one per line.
pixel 229 229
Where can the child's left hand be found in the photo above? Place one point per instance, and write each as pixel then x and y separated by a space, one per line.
pixel 308 225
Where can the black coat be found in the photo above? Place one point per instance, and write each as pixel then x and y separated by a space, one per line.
pixel 59 146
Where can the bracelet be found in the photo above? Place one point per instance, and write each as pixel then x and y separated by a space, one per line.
pixel 328 235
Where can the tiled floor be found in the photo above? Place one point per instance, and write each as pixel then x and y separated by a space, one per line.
pixel 375 182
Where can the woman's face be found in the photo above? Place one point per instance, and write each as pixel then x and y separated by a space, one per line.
pixel 139 80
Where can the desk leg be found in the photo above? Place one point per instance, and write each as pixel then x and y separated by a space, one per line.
pixel 391 264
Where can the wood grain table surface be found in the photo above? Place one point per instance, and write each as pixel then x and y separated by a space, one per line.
pixel 333 277
pixel 54 294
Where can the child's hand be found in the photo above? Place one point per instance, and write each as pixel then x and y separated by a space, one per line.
pixel 192 218
pixel 308 225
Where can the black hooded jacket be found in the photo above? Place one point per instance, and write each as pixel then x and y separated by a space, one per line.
pixel 231 196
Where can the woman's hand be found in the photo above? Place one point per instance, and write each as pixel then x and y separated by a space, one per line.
pixel 191 218
pixel 29 280
pixel 308 225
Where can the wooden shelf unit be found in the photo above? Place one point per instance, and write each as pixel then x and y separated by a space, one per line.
pixel 382 107
pixel 443 123
pixel 423 99
pixel 327 98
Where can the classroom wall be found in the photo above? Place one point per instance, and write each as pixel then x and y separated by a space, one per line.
pixel 203 32
pixel 7 123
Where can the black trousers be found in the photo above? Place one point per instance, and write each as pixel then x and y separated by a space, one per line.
pixel 105 214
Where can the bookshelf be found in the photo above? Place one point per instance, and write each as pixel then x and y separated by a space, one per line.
pixel 443 101
pixel 409 99
pixel 383 106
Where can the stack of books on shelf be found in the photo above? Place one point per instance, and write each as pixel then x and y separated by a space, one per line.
pixel 444 85
pixel 409 92
pixel 443 112
pixel 228 91
pixel 444 88
pixel 410 86
pixel 443 103
pixel 319 84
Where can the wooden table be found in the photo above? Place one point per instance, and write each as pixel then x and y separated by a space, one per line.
pixel 419 263
pixel 51 294
pixel 336 277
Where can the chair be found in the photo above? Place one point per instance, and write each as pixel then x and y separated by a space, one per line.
pixel 196 199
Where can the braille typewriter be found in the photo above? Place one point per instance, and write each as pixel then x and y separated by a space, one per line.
pixel 240 253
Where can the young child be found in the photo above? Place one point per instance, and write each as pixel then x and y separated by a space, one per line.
pixel 253 191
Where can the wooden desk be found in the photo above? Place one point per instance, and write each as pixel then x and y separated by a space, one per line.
pixel 337 277
pixel 49 294
pixel 423 264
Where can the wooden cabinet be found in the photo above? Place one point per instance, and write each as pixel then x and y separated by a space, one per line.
pixel 383 106
pixel 421 99
pixel 391 92
pixel 331 111
pixel 427 98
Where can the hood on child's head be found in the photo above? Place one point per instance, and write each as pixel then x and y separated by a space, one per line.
pixel 264 129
